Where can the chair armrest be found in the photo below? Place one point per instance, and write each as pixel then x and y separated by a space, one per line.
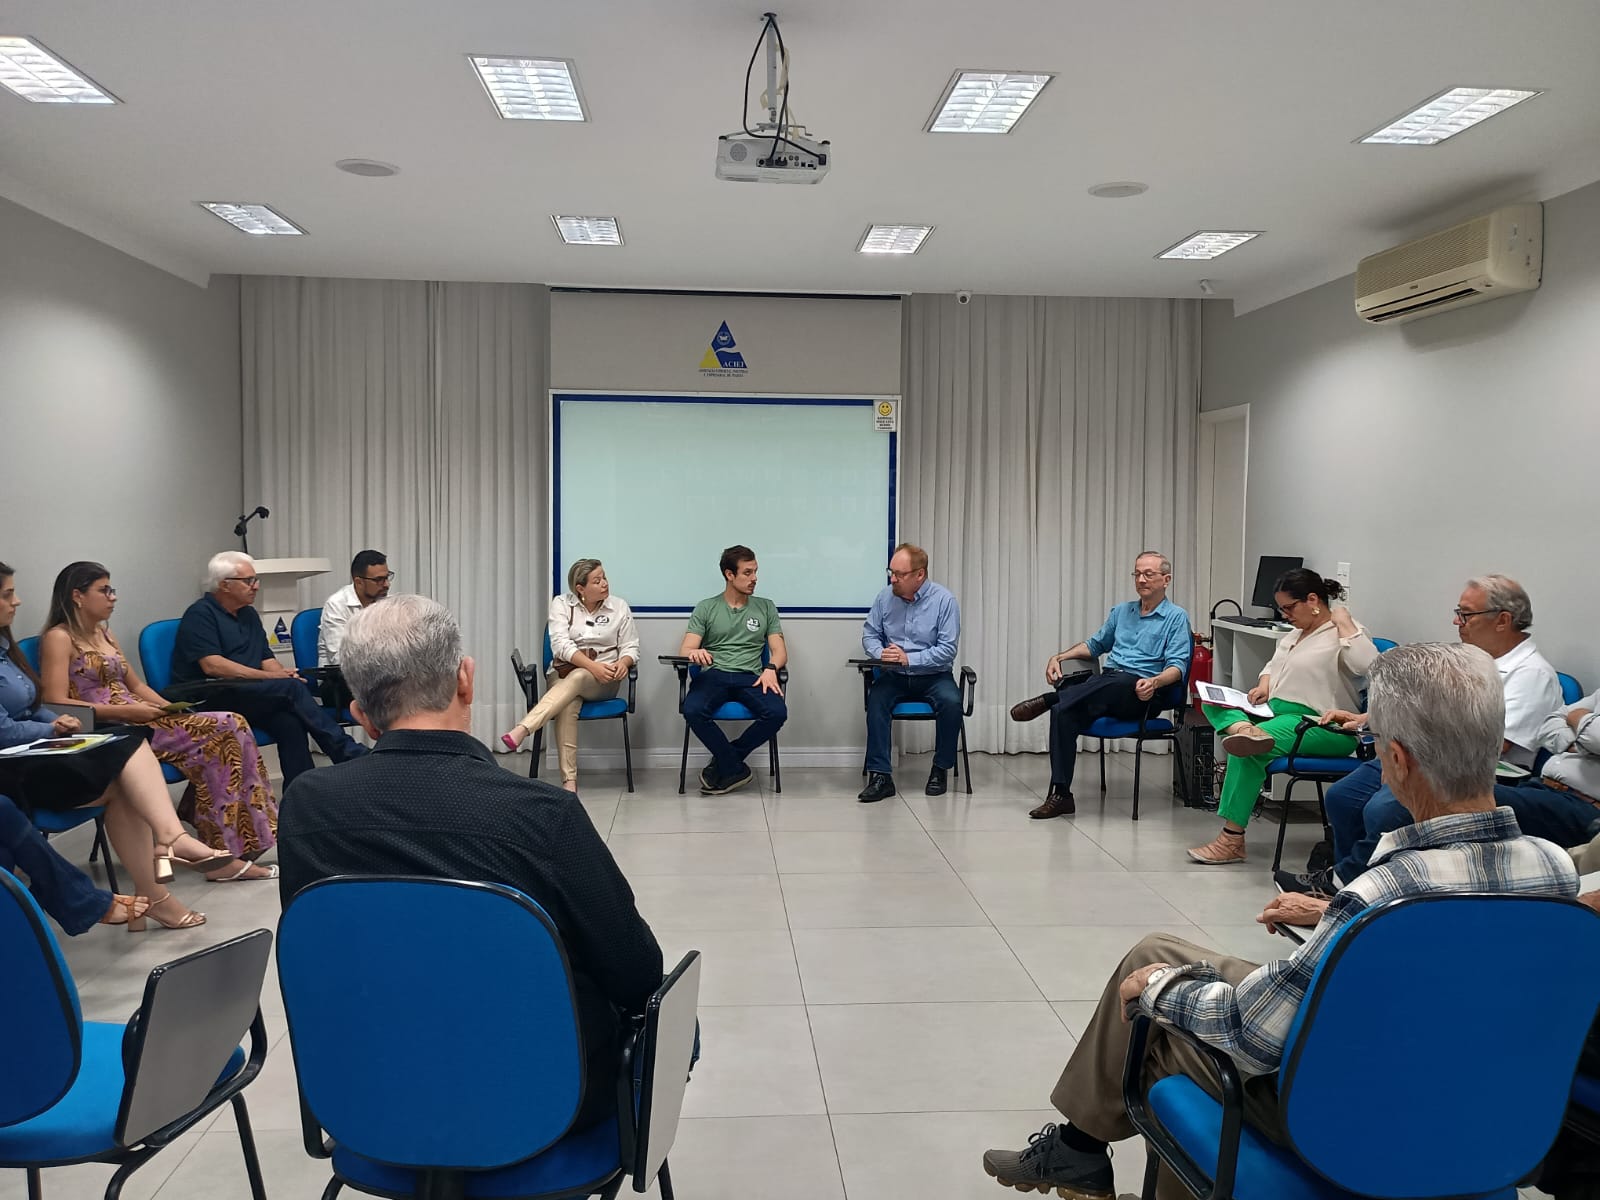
pixel 969 690
pixel 527 679
pixel 633 684
pixel 1220 1185
pixel 679 663
pixel 868 668
pixel 783 676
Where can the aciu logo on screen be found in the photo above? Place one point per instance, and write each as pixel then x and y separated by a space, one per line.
pixel 722 358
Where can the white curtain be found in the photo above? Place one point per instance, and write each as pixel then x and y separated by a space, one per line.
pixel 1046 442
pixel 408 417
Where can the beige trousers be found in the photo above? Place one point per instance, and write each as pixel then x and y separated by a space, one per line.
pixel 561 700
pixel 1089 1092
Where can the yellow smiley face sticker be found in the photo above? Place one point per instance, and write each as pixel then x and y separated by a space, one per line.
pixel 885 408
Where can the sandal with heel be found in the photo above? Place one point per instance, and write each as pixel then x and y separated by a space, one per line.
pixel 164 862
pixel 189 920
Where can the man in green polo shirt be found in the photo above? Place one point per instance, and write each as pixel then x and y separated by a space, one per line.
pixel 726 637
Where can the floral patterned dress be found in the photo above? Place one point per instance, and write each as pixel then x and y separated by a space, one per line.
pixel 234 809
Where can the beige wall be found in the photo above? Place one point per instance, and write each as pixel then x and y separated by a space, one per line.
pixel 120 394
pixel 1428 452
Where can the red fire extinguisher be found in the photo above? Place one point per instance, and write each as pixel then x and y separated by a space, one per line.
pixel 1199 666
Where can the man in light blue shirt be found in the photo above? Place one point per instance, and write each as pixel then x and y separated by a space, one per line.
pixel 1147 643
pixel 912 631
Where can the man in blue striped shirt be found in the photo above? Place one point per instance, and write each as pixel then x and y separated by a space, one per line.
pixel 1146 642
pixel 1438 715
pixel 912 630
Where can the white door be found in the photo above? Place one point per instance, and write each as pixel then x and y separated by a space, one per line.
pixel 1223 456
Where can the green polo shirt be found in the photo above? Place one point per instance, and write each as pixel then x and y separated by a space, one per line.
pixel 735 636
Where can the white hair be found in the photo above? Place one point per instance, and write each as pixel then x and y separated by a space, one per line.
pixel 401 657
pixel 1501 593
pixel 223 565
pixel 1166 563
pixel 1446 705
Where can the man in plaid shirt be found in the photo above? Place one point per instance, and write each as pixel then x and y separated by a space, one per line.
pixel 1437 713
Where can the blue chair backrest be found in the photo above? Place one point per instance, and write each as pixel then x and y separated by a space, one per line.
pixel 304 631
pixel 1571 689
pixel 1425 1010
pixel 156 641
pixel 481 1066
pixel 549 654
pixel 29 649
pixel 1384 645
pixel 40 1052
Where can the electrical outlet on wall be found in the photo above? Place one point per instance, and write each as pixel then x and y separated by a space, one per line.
pixel 1342 574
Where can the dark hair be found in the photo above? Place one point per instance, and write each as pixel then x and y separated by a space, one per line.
pixel 1303 581
pixel 74 577
pixel 365 561
pixel 20 661
pixel 733 556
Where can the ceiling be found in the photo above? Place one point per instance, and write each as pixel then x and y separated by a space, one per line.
pixel 1239 114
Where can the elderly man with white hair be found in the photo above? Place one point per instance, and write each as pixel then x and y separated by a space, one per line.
pixel 221 654
pixel 1437 714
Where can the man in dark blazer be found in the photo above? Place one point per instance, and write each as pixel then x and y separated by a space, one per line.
pixel 429 800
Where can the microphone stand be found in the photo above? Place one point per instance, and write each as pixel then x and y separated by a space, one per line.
pixel 239 530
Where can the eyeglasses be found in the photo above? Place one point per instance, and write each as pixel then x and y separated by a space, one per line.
pixel 247 580
pixel 1148 574
pixel 110 593
pixel 1464 615
pixel 1292 605
pixel 389 578
pixel 893 574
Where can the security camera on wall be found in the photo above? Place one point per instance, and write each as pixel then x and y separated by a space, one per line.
pixel 963 297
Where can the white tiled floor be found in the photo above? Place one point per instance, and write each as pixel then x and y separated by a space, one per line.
pixel 889 989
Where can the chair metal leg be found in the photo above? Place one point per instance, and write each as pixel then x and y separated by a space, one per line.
pixel 537 753
pixel 966 762
pixel 777 771
pixel 664 1181
pixel 683 766
pixel 332 1190
pixel 1152 1171
pixel 247 1143
pixel 1102 766
pixel 35 1184
pixel 106 857
pixel 1138 765
pixel 114 1187
pixel 1283 823
pixel 627 751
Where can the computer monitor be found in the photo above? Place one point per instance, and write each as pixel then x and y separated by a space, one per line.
pixel 1267 574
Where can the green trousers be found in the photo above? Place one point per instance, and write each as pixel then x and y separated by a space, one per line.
pixel 1242 783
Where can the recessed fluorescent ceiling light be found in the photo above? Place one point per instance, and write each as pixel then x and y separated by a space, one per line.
pixel 1208 243
pixel 33 73
pixel 256 219
pixel 589 231
pixel 1446 115
pixel 894 239
pixel 530 89
pixel 985 101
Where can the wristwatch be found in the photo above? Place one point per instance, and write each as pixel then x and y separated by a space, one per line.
pixel 770 667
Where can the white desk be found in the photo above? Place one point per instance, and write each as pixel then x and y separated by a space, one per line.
pixel 1241 652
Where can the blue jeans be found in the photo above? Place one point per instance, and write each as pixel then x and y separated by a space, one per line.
pixel 938 691
pixel 708 692
pixel 64 892
pixel 1361 811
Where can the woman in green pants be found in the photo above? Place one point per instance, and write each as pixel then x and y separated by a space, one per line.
pixel 1317 667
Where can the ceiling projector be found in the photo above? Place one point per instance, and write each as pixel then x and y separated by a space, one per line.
pixel 746 158
pixel 778 149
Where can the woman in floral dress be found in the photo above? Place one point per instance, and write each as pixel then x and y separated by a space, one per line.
pixel 80 659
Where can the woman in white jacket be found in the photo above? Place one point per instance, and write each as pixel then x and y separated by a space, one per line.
pixel 593 642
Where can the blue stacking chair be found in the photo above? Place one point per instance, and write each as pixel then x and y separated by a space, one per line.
pixel 74 1091
pixel 468 1088
pixel 1363 1120
pixel 305 631
pixel 156 641
pixel 921 710
pixel 47 822
pixel 613 709
pixel 1317 769
pixel 731 711
pixel 1571 689
pixel 1147 728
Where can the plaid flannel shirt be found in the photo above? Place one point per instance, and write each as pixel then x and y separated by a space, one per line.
pixel 1461 852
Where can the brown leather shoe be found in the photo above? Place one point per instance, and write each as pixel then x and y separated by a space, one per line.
pixel 1032 710
pixel 1056 804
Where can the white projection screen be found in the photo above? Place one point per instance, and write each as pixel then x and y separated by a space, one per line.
pixel 655 486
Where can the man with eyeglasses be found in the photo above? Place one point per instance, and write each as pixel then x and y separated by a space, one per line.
pixel 912 629
pixel 221 654
pixel 1146 642
pixel 1493 614
pixel 370 579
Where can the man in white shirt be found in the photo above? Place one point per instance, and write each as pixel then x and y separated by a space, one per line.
pixel 370 578
pixel 1494 614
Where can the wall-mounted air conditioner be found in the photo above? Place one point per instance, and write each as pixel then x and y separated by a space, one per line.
pixel 1498 254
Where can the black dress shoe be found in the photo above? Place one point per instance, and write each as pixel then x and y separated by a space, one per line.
pixel 880 786
pixel 935 782
pixel 1056 804
pixel 1032 710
